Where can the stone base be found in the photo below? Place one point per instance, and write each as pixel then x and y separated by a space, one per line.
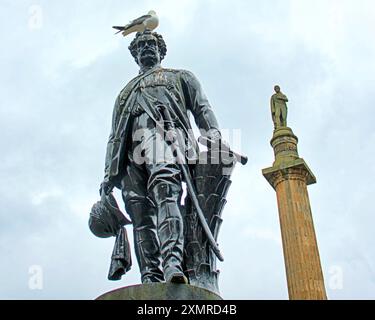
pixel 160 291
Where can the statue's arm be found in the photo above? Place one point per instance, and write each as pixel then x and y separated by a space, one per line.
pixel 108 157
pixel 283 97
pixel 197 103
pixel 272 106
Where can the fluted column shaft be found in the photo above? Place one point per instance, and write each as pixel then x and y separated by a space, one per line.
pixel 289 176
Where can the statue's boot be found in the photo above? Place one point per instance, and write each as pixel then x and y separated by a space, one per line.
pixel 170 231
pixel 146 242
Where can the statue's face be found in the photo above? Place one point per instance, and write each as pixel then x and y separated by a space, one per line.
pixel 277 89
pixel 148 51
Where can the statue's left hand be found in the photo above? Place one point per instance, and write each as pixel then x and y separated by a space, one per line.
pixel 106 187
pixel 213 135
pixel 213 140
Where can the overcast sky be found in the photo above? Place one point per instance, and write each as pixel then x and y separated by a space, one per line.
pixel 61 68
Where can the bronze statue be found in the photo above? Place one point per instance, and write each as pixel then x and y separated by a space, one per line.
pixel 151 151
pixel 279 108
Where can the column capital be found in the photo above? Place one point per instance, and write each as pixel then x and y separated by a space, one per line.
pixel 293 170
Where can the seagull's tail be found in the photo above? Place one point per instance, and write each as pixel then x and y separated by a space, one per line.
pixel 118 28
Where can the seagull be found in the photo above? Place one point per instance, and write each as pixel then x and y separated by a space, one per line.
pixel 149 21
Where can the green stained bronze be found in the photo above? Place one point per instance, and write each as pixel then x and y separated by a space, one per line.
pixel 279 109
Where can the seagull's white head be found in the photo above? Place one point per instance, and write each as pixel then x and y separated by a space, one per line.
pixel 152 12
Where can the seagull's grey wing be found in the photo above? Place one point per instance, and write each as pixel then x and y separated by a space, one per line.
pixel 137 21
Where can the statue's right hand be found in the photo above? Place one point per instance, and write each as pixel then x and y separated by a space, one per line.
pixel 106 187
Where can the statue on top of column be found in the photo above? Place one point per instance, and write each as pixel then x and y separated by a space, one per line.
pixel 279 108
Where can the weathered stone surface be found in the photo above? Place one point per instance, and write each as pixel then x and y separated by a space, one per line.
pixel 283 171
pixel 284 144
pixel 160 291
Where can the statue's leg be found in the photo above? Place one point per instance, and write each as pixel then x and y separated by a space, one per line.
pixel 144 217
pixel 165 189
pixel 284 114
pixel 278 117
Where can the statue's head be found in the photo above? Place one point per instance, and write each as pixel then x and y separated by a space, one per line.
pixel 277 89
pixel 148 48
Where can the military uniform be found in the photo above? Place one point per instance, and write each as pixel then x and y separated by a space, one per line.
pixel 151 188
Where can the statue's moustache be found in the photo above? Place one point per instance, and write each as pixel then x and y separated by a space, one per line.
pixel 148 51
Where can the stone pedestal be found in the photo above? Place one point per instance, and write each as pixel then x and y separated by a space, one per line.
pixel 289 176
pixel 160 291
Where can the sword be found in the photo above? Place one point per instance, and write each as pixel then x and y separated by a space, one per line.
pixel 190 187
pixel 224 148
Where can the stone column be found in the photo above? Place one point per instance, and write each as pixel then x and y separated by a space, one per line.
pixel 289 176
